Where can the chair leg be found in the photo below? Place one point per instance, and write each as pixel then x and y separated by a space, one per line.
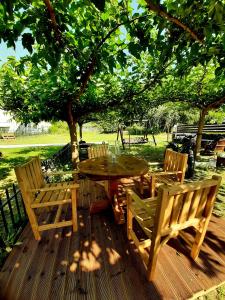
pixel 129 223
pixel 142 185
pixel 33 223
pixel 74 209
pixel 153 256
pixel 152 186
pixel 200 235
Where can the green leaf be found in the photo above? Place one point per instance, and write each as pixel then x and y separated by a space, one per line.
pixel 121 57
pixel 28 41
pixel 100 4
pixel 219 71
pixel 134 49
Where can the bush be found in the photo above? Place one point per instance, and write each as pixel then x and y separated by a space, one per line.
pixel 58 127
pixel 138 130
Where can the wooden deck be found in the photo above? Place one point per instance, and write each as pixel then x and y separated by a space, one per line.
pixel 98 262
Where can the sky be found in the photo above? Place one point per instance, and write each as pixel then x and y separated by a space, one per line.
pixel 5 52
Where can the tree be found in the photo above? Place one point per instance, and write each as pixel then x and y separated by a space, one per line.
pixel 200 89
pixel 72 42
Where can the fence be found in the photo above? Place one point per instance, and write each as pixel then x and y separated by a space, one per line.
pixel 210 131
pixel 13 218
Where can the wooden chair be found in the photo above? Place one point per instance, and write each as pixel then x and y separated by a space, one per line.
pixel 98 150
pixel 37 195
pixel 174 168
pixel 93 152
pixel 175 209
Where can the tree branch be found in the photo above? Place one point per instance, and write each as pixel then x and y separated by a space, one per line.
pixel 93 56
pixel 55 27
pixel 216 104
pixel 162 13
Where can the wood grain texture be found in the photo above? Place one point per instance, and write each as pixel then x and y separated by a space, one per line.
pixel 104 168
pixel 98 262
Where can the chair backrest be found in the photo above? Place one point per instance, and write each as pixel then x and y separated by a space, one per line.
pixel 185 205
pixel 29 176
pixel 220 146
pixel 97 151
pixel 175 161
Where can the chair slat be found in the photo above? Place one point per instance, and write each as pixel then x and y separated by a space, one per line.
pixel 177 207
pixel 37 194
pixel 186 207
pixel 190 205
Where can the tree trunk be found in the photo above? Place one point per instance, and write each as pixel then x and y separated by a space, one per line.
pixel 80 130
pixel 167 133
pixel 201 124
pixel 72 124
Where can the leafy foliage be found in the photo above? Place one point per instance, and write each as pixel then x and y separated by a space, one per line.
pixel 87 56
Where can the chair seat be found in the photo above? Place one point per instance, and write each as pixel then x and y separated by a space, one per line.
pixel 145 214
pixel 176 208
pixel 39 196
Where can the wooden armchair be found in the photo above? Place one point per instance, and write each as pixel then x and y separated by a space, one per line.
pixel 175 208
pixel 98 150
pixel 174 168
pixel 37 195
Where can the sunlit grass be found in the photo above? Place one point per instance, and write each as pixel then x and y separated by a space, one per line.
pixel 16 156
pixel 38 139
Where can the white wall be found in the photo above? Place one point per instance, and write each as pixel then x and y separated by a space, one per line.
pixel 7 121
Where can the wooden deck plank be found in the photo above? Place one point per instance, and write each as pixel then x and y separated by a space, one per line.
pixel 104 285
pixel 87 261
pixel 71 281
pixel 128 265
pixel 98 262
pixel 44 276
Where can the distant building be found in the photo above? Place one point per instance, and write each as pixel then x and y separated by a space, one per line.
pixel 7 124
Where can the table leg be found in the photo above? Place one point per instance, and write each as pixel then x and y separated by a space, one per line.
pixel 115 201
pixel 111 188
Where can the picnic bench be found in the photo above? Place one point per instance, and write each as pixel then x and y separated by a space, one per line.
pixel 213 136
pixel 210 132
pixel 8 136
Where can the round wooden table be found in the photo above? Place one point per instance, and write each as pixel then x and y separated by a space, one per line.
pixel 111 169
pixel 107 168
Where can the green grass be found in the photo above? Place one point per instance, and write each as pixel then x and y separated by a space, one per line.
pixel 16 156
pixel 37 139
pixel 89 136
pixel 13 157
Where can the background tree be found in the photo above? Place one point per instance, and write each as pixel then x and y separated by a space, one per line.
pixel 71 42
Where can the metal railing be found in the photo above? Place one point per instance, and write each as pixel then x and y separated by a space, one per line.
pixel 12 214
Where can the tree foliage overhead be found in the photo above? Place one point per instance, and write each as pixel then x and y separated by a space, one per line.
pixel 87 55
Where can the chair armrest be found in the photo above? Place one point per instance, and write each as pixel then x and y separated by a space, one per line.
pixel 52 188
pixel 61 172
pixel 150 200
pixel 156 174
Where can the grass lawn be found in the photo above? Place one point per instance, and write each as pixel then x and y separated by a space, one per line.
pixel 13 157
pixel 37 139
pixel 16 156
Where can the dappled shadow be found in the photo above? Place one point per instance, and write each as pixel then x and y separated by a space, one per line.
pixel 146 151
pixel 99 262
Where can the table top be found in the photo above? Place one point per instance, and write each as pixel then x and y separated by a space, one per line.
pixel 105 167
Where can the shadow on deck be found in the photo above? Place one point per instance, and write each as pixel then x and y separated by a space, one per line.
pixel 98 262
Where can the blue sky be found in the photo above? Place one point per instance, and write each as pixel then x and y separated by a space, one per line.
pixel 5 52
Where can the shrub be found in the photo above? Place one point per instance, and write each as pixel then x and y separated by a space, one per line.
pixel 59 127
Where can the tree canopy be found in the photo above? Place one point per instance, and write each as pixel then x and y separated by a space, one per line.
pixel 86 56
